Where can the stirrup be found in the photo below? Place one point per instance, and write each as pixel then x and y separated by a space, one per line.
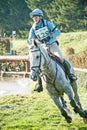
pixel 72 77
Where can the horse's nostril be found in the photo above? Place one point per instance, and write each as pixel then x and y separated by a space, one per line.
pixel 35 78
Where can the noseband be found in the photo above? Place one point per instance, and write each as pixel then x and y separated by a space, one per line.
pixel 38 66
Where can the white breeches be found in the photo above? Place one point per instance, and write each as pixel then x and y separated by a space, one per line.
pixel 54 48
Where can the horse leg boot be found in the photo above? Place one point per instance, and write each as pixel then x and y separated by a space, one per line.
pixel 39 88
pixel 73 78
pixel 69 70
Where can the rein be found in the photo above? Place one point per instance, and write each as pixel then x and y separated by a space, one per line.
pixel 40 70
pixel 49 78
pixel 39 66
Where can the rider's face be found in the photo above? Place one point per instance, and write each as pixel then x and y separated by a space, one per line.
pixel 36 19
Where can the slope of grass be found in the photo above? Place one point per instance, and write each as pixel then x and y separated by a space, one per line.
pixel 76 40
pixel 37 112
pixel 20 46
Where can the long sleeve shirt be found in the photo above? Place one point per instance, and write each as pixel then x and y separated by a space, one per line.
pixel 50 36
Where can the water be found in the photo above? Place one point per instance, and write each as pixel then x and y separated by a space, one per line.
pixel 10 86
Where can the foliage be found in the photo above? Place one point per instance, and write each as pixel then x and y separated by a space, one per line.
pixel 20 46
pixel 4 45
pixel 79 61
pixel 13 15
pixel 69 15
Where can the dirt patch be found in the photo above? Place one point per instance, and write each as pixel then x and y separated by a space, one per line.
pixel 10 86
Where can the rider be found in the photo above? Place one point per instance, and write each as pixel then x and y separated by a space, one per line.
pixel 45 32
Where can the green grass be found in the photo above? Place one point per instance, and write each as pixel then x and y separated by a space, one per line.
pixel 20 46
pixel 76 40
pixel 37 112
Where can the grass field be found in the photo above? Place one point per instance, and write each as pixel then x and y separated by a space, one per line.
pixel 76 40
pixel 37 111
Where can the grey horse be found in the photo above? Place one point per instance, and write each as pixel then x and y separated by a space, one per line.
pixel 56 81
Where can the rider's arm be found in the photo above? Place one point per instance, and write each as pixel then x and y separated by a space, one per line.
pixel 31 36
pixel 56 32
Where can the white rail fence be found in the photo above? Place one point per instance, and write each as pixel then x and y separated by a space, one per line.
pixel 80 70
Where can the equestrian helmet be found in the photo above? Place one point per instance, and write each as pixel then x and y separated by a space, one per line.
pixel 36 12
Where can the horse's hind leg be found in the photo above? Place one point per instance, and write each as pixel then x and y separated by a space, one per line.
pixel 63 101
pixel 77 109
pixel 63 111
pixel 76 96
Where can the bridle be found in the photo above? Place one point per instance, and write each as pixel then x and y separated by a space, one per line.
pixel 39 65
pixel 42 71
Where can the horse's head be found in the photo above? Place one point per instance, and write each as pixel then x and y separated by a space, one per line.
pixel 37 59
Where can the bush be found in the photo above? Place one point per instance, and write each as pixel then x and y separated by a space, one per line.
pixel 79 61
pixel 4 46
pixel 69 51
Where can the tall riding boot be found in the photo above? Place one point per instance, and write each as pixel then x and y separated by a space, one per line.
pixel 69 70
pixel 39 88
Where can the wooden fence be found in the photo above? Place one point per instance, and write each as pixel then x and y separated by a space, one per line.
pixel 25 59
pixel 15 58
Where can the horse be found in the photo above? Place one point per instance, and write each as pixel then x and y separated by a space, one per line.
pixel 56 82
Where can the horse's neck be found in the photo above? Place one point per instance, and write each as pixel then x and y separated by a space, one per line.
pixel 49 72
pixel 49 66
pixel 45 54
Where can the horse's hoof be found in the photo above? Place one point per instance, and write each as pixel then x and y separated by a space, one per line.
pixel 75 111
pixel 67 116
pixel 85 120
pixel 68 119
pixel 85 114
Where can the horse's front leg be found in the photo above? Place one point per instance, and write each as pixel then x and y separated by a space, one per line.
pixel 57 101
pixel 75 90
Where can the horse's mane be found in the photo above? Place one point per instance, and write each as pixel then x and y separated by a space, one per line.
pixel 38 45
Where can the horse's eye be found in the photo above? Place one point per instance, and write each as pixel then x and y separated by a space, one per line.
pixel 37 57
